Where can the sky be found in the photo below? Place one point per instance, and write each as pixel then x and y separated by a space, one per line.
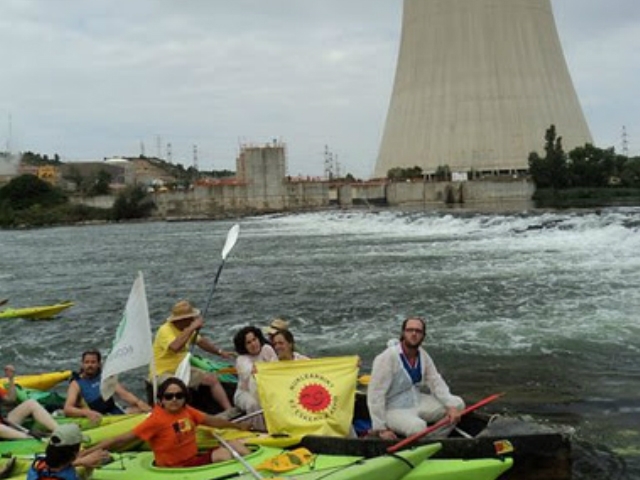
pixel 104 78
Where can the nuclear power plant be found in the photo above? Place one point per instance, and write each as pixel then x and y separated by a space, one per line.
pixel 477 84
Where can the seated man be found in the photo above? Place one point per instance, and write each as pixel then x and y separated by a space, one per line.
pixel 395 398
pixel 84 398
pixel 172 343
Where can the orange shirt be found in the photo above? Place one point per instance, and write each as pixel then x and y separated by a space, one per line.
pixel 172 436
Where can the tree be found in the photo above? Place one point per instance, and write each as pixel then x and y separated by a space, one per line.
pixel 75 176
pixel 133 202
pixel 101 184
pixel 630 174
pixel 27 191
pixel 550 170
pixel 443 172
pixel 399 173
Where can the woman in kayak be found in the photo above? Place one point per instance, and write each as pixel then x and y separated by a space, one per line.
pixel 285 346
pixel 251 347
pixel 11 425
pixel 170 430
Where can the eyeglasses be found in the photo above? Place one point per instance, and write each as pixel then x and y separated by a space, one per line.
pixel 171 396
pixel 414 330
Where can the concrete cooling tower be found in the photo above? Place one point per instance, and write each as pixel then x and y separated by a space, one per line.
pixel 477 84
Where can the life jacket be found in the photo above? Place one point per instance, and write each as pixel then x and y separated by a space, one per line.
pixel 90 392
pixel 40 471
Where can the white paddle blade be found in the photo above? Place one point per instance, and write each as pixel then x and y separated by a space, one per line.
pixel 183 372
pixel 232 237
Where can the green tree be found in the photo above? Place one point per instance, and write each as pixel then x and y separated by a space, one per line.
pixel 630 174
pixel 550 170
pixel 133 202
pixel 590 166
pixel 399 173
pixel 100 185
pixel 443 172
pixel 75 176
pixel 26 191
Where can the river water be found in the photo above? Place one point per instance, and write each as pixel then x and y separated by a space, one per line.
pixel 542 306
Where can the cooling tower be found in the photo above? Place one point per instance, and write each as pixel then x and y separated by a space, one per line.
pixel 477 84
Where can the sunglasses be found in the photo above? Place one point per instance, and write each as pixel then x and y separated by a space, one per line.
pixel 171 396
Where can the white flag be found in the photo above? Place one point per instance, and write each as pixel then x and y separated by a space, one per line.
pixel 132 347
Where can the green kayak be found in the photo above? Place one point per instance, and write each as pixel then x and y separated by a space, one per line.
pixel 121 424
pixel 224 369
pixel 139 465
pixel 454 469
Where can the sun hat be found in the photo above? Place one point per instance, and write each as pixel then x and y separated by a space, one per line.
pixel 67 435
pixel 275 326
pixel 181 310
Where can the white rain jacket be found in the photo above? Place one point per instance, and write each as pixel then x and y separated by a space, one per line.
pixel 391 387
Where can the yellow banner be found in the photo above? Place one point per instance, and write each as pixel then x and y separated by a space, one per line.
pixel 308 397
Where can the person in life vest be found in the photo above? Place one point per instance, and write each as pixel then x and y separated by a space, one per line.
pixel 406 390
pixel 84 398
pixel 11 425
pixel 63 455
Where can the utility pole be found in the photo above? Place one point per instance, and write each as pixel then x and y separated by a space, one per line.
pixel 10 134
pixel 141 148
pixel 625 142
pixel 328 163
pixel 195 157
pixel 169 152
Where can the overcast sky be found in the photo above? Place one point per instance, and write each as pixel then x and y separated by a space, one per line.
pixel 90 79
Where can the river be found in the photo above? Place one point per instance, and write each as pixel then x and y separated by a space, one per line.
pixel 542 306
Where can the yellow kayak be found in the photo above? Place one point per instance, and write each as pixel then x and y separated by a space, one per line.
pixel 41 381
pixel 36 313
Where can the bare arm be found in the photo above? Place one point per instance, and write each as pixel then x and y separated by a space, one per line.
pixel 208 346
pixel 216 422
pixel 10 373
pixel 116 441
pixel 132 399
pixel 181 340
pixel 71 408
pixel 89 460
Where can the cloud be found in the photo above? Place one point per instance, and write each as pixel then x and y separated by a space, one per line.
pixel 95 79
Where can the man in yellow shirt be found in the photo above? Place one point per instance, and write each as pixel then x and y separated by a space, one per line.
pixel 171 345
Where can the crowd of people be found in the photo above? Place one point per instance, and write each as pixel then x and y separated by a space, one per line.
pixel 405 392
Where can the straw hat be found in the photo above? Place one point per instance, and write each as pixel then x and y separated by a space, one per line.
pixel 276 325
pixel 182 310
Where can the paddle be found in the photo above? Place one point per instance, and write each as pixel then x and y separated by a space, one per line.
pixel 20 428
pixel 3 301
pixel 254 473
pixel 445 421
pixel 183 372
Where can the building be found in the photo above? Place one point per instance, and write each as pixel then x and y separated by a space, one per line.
pixel 478 82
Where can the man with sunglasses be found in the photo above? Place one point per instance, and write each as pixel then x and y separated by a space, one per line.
pixel 170 430
pixel 406 391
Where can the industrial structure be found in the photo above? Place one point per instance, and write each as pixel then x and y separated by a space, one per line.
pixel 478 82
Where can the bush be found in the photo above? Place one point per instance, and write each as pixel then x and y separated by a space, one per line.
pixel 26 191
pixel 133 202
